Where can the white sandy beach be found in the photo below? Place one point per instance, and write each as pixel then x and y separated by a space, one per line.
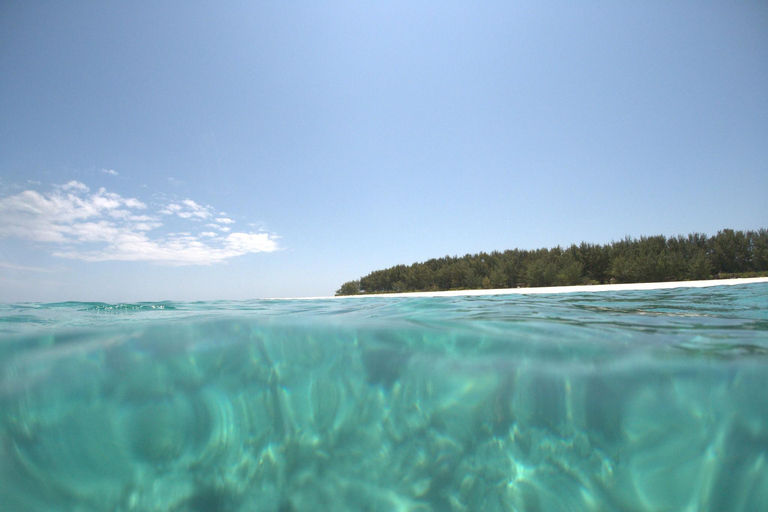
pixel 563 289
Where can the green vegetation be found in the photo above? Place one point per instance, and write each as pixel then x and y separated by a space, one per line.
pixel 648 259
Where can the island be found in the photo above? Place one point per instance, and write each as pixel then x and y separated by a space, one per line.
pixel 649 259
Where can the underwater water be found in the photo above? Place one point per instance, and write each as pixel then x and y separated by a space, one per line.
pixel 616 401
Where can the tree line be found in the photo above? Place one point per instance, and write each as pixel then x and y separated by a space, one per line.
pixel 647 259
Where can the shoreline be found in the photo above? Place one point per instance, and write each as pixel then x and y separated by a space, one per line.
pixel 553 289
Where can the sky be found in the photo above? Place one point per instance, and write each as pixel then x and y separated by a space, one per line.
pixel 235 150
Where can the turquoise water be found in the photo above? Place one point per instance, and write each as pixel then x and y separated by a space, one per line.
pixel 618 401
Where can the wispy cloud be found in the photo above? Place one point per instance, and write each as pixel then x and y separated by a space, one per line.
pixel 4 265
pixel 104 226
pixel 219 227
pixel 188 209
pixel 74 185
pixel 111 172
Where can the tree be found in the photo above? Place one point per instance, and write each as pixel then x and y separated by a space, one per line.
pixel 349 288
pixel 650 258
pixel 730 251
pixel 498 278
pixel 759 242
pixel 622 270
pixel 570 272
pixel 699 267
pixel 540 272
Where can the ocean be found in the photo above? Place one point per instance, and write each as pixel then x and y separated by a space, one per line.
pixel 652 400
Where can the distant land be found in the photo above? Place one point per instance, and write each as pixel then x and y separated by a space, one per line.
pixel 649 259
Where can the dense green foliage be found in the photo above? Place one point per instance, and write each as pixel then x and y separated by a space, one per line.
pixel 648 259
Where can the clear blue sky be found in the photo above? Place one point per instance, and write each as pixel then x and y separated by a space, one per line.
pixel 233 150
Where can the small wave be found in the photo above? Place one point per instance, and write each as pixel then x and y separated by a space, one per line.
pixel 142 306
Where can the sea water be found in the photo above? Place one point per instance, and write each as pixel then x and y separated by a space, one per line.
pixel 616 401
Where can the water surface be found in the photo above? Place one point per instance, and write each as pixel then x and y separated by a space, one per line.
pixel 616 401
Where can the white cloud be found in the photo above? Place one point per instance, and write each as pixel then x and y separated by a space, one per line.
pixel 127 215
pixel 74 185
pixel 170 209
pixel 101 226
pixel 224 220
pixel 54 217
pixel 188 209
pixel 134 203
pixel 146 226
pixel 219 227
pixel 251 242
pixel 111 172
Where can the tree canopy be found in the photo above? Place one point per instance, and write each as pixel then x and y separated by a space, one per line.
pixel 630 260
